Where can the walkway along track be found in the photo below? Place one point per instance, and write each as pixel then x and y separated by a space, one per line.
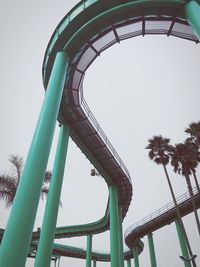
pixel 162 217
pixel 87 30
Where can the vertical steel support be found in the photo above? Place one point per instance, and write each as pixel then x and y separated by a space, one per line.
pixel 59 262
pixel 128 263
pixel 182 243
pixel 89 251
pixel 94 263
pixel 114 226
pixel 192 13
pixel 121 247
pixel 152 250
pixel 52 206
pixel 136 257
pixel 17 236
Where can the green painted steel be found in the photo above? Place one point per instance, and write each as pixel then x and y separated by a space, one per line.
pixel 59 262
pixel 120 227
pixel 15 243
pixel 182 242
pixel 128 263
pixel 89 251
pixel 152 250
pixel 136 257
pixel 94 263
pixel 52 206
pixel 114 229
pixel 192 13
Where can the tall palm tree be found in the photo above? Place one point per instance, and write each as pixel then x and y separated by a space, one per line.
pixel 194 157
pixel 194 131
pixel 160 152
pixel 9 182
pixel 184 159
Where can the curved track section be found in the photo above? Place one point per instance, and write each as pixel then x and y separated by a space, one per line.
pixel 84 33
pixel 80 253
pixel 165 215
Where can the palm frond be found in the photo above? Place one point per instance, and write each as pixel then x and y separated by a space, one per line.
pixel 8 187
pixel 47 177
pixel 17 163
pixel 159 149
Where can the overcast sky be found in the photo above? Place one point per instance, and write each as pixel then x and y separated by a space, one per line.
pixel 136 89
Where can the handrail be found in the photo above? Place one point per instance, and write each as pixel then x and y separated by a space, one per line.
pixel 164 209
pixel 102 134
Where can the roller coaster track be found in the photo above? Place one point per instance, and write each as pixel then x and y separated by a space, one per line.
pixel 164 216
pixel 84 33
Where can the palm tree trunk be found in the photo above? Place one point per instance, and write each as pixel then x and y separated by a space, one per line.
pixel 179 216
pixel 196 181
pixel 193 202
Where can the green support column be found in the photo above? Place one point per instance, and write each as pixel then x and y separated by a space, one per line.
pixel 94 263
pixel 128 263
pixel 121 247
pixel 114 227
pixel 182 243
pixel 152 250
pixel 136 257
pixel 17 236
pixel 52 206
pixel 59 262
pixel 192 13
pixel 89 251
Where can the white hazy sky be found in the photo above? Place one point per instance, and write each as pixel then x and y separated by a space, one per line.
pixel 142 87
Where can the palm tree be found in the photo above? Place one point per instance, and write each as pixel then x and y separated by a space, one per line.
pixel 194 131
pixel 160 151
pixel 9 182
pixel 184 159
pixel 194 156
pixel 194 140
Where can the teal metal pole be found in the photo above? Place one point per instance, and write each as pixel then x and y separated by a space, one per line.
pixel 59 262
pixel 152 250
pixel 182 243
pixel 136 258
pixel 89 251
pixel 128 263
pixel 51 211
pixel 192 13
pixel 94 263
pixel 17 236
pixel 114 229
pixel 121 248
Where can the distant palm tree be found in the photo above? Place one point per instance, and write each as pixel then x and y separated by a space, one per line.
pixel 184 159
pixel 194 141
pixel 194 156
pixel 160 152
pixel 194 131
pixel 9 182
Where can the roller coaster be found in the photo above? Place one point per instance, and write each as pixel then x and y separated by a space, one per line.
pixel 82 35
